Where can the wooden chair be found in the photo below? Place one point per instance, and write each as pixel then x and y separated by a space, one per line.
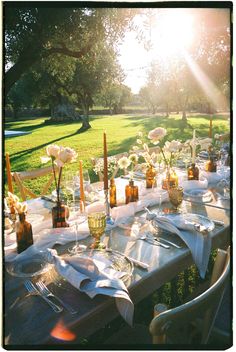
pixel 18 177
pixel 100 174
pixel 190 323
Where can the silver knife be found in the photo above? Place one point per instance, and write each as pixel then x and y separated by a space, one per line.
pixel 155 242
pixel 167 241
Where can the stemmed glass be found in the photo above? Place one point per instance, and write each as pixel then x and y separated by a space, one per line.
pixel 97 226
pixel 72 184
pixel 77 216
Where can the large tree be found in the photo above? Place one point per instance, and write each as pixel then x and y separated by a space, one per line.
pixel 35 33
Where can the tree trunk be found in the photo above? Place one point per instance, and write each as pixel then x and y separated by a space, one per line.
pixel 85 124
pixel 167 110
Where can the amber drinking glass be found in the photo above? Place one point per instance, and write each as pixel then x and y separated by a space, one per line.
pixel 176 196
pixel 97 225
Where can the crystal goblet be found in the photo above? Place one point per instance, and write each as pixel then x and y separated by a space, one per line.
pixel 97 225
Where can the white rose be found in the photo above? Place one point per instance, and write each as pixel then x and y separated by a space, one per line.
pixel 53 150
pixel 65 155
pixel 173 146
pixel 157 134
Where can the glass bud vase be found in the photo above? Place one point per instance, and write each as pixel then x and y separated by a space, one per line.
pixel 24 234
pixel 131 192
pixel 150 176
pixel 112 193
pixel 211 165
pixel 59 215
pixel 193 172
pixel 171 180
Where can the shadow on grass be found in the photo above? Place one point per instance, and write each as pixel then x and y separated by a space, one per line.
pixel 19 154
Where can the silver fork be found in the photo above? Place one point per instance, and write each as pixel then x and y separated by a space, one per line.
pixel 33 291
pixel 45 291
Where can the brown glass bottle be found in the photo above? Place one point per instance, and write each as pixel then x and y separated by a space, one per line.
pixel 131 192
pixel 211 165
pixel 59 214
pixel 193 172
pixel 24 234
pixel 170 181
pixel 150 176
pixel 112 193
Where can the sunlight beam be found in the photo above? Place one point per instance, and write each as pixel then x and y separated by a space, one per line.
pixel 209 88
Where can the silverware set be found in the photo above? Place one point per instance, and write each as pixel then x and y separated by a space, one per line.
pixel 42 291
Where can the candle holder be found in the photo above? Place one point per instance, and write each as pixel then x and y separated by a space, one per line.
pixel 109 219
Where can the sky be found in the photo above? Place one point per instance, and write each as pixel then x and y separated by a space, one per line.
pixel 171 31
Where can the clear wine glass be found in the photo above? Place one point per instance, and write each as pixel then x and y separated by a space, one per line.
pixel 77 215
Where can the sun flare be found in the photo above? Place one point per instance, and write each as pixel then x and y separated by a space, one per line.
pixel 172 33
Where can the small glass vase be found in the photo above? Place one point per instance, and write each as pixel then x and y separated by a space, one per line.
pixel 131 192
pixel 59 215
pixel 24 234
pixel 150 176
pixel 171 180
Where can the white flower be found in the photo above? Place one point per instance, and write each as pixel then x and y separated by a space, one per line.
pixel 45 159
pixel 53 150
pixel 157 134
pixel 217 136
pixel 133 158
pixel 135 148
pixel 139 141
pixel 124 162
pixel 65 155
pixel 205 143
pixel 173 146
pixel 140 134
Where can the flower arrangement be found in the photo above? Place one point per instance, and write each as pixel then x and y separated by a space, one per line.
pixel 111 166
pixel 143 150
pixel 58 156
pixel 14 203
pixel 125 162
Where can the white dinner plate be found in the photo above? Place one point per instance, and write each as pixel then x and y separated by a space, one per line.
pixel 195 218
pixel 28 267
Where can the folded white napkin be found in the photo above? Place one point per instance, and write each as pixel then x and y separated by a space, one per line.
pixel 194 184
pixel 198 242
pixel 47 238
pixel 94 276
pixel 151 197
pixel 214 177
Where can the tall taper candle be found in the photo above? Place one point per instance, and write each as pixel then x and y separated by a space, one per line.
pixel 210 128
pixel 81 180
pixel 194 146
pixel 105 172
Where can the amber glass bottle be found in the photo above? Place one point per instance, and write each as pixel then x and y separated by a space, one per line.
pixel 24 234
pixel 211 165
pixel 59 214
pixel 131 192
pixel 193 172
pixel 150 176
pixel 112 193
pixel 170 181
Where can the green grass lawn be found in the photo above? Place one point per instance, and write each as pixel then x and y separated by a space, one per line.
pixel 25 151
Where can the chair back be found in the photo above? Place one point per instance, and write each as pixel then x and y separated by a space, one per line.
pixel 192 322
pixel 20 176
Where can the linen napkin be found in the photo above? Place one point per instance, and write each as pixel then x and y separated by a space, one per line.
pixel 94 276
pixel 47 238
pixel 120 213
pixel 214 177
pixel 194 184
pixel 197 240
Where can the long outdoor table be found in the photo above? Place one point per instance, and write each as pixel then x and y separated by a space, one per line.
pixel 30 321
